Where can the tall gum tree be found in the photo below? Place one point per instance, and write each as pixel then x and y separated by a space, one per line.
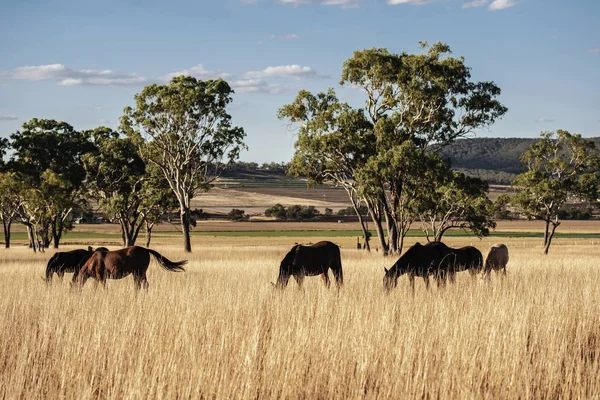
pixel 413 101
pixel 188 134
pixel 115 176
pixel 331 143
pixel 561 167
pixel 47 155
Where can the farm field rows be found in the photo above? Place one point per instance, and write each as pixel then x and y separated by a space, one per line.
pixel 221 331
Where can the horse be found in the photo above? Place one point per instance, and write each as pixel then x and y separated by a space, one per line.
pixel 467 258
pixel 68 261
pixel 433 258
pixel 496 260
pixel 117 264
pixel 317 259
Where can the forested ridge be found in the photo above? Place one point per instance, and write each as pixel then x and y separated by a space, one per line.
pixel 496 160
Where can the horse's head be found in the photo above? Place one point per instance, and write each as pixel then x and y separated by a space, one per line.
pixel 390 279
pixel 51 268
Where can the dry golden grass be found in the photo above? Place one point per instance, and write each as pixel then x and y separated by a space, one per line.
pixel 220 331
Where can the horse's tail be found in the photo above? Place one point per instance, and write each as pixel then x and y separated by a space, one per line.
pixel 166 263
pixel 50 268
pixel 336 266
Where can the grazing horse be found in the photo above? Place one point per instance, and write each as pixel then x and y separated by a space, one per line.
pixel 496 260
pixel 118 264
pixel 312 260
pixel 68 261
pixel 434 258
pixel 467 258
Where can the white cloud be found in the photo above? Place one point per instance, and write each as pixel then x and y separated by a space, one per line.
pixel 289 36
pixel 198 72
pixel 413 2
pixel 255 86
pixel 8 118
pixel 284 71
pixel 475 3
pixel 70 77
pixel 501 4
pixel 543 120
pixel 594 51
pixel 341 3
pixel 250 82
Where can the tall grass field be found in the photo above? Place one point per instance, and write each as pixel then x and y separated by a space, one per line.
pixel 220 330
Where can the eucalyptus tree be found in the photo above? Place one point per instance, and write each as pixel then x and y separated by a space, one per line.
pixel 561 167
pixel 457 201
pixel 412 102
pixel 425 99
pixel 332 142
pixel 189 135
pixel 10 202
pixel 119 179
pixel 47 155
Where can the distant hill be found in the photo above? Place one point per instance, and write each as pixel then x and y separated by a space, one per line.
pixel 495 160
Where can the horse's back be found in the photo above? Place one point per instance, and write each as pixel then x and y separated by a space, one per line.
pixel 317 257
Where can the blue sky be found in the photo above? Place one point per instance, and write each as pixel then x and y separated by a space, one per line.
pixel 83 61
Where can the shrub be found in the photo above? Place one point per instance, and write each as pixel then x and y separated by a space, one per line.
pixel 238 215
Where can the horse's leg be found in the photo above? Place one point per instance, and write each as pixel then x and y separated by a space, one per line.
pixel 487 273
pixel 140 281
pixel 504 270
pixel 299 280
pixel 441 279
pixel 81 278
pixel 61 275
pixel 325 276
pixel 411 279
pixel 426 279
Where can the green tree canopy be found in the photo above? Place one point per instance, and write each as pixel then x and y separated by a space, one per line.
pixel 413 101
pixel 189 135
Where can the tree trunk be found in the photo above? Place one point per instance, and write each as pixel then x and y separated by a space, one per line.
pixel 31 238
pixel 148 233
pixel 56 235
pixel 550 236
pixel 378 228
pixel 401 245
pixel 546 232
pixel 361 220
pixel 7 233
pixel 185 227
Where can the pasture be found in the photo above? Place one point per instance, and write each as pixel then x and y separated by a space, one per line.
pixel 219 330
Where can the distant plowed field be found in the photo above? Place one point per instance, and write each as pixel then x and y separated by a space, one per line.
pixel 257 199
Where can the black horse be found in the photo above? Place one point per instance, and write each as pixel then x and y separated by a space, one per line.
pixel 312 260
pixel 467 258
pixel 68 261
pixel 434 258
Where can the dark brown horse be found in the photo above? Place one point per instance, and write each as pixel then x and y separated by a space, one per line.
pixel 68 261
pixel 434 258
pixel 467 258
pixel 313 260
pixel 118 264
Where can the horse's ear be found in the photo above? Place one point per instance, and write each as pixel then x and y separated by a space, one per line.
pixel 90 248
pixel 386 270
